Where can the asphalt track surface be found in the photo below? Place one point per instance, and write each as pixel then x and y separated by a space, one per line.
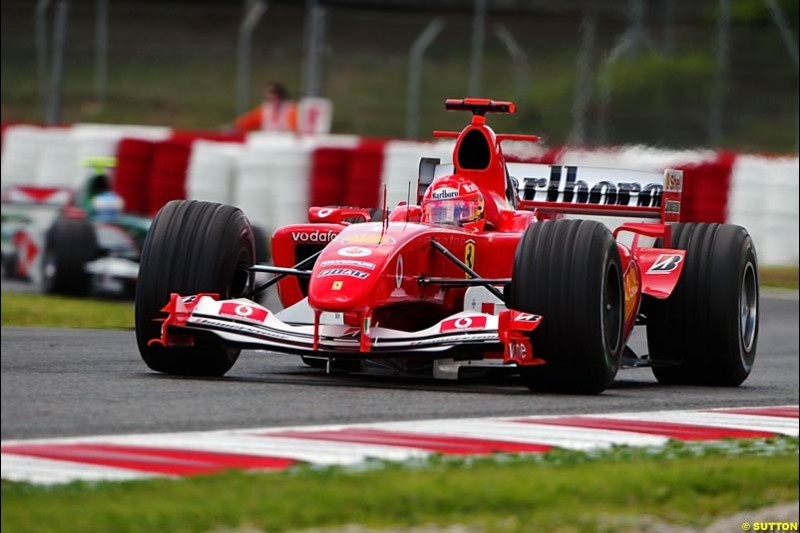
pixel 58 382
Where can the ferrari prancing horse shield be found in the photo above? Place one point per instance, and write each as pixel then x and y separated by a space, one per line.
pixel 469 255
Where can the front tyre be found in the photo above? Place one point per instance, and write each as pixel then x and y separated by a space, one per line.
pixel 70 244
pixel 570 272
pixel 191 247
pixel 706 332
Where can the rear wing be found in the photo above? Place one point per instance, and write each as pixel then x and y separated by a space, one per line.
pixel 567 189
pixel 600 191
pixel 479 106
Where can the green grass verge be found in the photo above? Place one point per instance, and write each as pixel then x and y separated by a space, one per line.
pixel 779 277
pixel 688 484
pixel 60 312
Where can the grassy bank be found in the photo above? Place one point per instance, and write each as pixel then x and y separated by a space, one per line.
pixel 779 277
pixel 61 312
pixel 687 484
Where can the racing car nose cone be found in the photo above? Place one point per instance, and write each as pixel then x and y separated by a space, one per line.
pixel 341 289
pixel 362 266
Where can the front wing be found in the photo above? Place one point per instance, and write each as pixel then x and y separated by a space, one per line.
pixel 244 323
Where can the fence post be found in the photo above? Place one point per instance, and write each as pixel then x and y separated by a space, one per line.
pixel 668 27
pixel 421 43
pixel 583 81
pixel 518 57
pixel 790 41
pixel 40 24
pixel 253 11
pixel 476 55
pixel 100 51
pixel 57 74
pixel 721 53
pixel 315 38
pixel 628 44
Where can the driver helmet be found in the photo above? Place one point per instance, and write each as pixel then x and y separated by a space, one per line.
pixel 107 206
pixel 453 201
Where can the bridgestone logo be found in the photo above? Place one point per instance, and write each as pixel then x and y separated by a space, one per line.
pixel 665 264
pixel 313 236
pixel 444 194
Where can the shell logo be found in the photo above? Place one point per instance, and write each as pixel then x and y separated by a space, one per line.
pixel 368 238
pixel 631 284
pixel 355 251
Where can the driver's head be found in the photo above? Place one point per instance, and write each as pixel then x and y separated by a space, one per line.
pixel 276 92
pixel 107 206
pixel 454 201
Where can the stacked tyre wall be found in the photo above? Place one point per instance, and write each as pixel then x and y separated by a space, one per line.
pixel 275 178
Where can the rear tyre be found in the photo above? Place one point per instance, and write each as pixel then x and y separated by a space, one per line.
pixel 69 245
pixel 10 268
pixel 191 247
pixel 569 271
pixel 706 332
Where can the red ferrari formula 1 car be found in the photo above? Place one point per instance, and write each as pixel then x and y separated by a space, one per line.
pixel 491 270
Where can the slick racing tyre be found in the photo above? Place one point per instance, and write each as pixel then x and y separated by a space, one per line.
pixel 11 266
pixel 191 247
pixel 706 332
pixel 70 244
pixel 569 271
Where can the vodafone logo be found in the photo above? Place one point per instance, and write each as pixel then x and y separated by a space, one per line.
pixel 246 312
pixel 313 236
pixel 463 323
pixel 355 251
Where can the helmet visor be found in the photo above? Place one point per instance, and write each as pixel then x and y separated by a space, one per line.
pixel 451 212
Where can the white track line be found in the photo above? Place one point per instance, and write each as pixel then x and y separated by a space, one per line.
pixel 784 426
pixel 49 471
pixel 505 430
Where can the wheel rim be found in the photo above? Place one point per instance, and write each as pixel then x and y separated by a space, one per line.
pixel 748 307
pixel 612 305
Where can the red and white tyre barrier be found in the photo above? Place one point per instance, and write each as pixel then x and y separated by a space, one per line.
pixel 274 178
pixel 126 457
